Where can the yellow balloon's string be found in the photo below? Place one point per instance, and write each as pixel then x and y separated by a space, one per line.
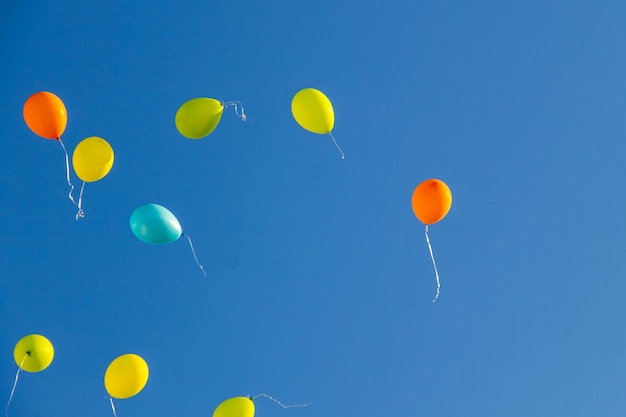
pixel 278 402
pixel 112 406
pixel 193 251
pixel 80 214
pixel 430 249
pixel 67 172
pixel 17 375
pixel 335 142
pixel 236 105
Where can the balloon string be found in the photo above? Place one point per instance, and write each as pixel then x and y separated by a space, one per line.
pixel 67 171
pixel 193 251
pixel 112 406
pixel 278 402
pixel 430 249
pixel 80 214
pixel 335 142
pixel 236 105
pixel 17 375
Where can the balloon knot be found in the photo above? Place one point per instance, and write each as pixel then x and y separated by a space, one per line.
pixel 28 352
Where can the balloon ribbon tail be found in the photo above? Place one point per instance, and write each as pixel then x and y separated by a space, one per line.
pixel 193 251
pixel 335 142
pixel 67 173
pixel 432 257
pixel 112 406
pixel 17 376
pixel 278 402
pixel 80 213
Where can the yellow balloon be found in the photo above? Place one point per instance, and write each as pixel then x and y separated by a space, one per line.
pixel 235 407
pixel 313 111
pixel 198 117
pixel 126 376
pixel 92 159
pixel 33 353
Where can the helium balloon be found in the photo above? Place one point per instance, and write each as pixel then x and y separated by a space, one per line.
pixel 45 115
pixel 313 111
pixel 33 353
pixel 126 376
pixel 198 117
pixel 431 201
pixel 155 224
pixel 92 159
pixel 235 407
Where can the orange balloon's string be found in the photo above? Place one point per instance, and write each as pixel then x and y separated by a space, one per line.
pixel 236 105
pixel 193 251
pixel 67 172
pixel 335 142
pixel 17 375
pixel 278 402
pixel 112 406
pixel 430 249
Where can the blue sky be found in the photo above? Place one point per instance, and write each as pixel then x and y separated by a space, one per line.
pixel 319 280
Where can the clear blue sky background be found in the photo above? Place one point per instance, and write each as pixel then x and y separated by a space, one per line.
pixel 320 282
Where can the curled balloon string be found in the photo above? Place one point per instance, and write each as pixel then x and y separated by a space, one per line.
pixel 335 142
pixel 112 406
pixel 278 402
pixel 80 214
pixel 17 375
pixel 430 249
pixel 236 105
pixel 193 251
pixel 67 172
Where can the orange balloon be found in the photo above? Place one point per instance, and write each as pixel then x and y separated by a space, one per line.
pixel 431 201
pixel 45 115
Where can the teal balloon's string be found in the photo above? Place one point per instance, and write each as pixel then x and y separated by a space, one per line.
pixel 112 406
pixel 236 105
pixel 17 375
pixel 335 142
pixel 193 251
pixel 67 172
pixel 278 402
pixel 430 249
pixel 80 214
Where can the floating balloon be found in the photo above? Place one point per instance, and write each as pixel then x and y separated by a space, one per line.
pixel 235 407
pixel 92 159
pixel 126 376
pixel 155 224
pixel 198 117
pixel 314 112
pixel 45 115
pixel 33 353
pixel 431 202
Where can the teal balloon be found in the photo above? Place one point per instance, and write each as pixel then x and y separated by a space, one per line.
pixel 155 224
